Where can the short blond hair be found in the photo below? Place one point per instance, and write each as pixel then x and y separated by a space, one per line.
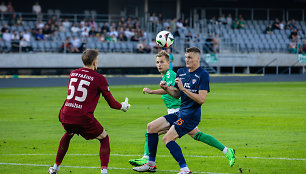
pixel 163 53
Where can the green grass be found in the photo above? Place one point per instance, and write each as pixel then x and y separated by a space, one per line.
pixel 265 120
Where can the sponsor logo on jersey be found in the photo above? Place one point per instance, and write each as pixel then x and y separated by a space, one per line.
pixel 194 81
pixel 196 75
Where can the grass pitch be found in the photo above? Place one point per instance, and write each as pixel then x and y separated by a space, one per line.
pixel 264 122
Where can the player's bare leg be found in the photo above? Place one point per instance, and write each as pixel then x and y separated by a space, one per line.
pixel 153 129
pixel 104 151
pixel 61 152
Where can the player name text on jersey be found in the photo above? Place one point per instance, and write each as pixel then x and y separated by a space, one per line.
pixel 82 76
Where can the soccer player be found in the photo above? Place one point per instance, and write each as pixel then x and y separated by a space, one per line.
pixel 77 112
pixel 192 85
pixel 172 104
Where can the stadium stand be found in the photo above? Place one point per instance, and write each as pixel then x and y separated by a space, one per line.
pixel 245 37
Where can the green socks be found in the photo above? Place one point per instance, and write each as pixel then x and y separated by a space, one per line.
pixel 146 147
pixel 208 139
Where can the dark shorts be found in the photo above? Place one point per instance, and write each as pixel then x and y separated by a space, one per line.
pixel 88 131
pixel 182 126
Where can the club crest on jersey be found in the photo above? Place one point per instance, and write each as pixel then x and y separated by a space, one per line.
pixel 194 81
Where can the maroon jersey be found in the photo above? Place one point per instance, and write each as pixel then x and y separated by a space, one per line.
pixel 85 86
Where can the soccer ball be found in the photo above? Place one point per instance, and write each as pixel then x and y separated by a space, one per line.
pixel 164 39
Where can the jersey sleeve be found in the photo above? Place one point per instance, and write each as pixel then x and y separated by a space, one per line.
pixel 104 88
pixel 177 75
pixel 171 79
pixel 204 82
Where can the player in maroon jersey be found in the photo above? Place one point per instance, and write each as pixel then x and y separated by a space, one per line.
pixel 77 112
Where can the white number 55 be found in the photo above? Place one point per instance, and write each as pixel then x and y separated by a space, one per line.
pixel 80 88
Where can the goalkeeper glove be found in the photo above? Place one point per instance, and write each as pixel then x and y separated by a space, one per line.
pixel 125 105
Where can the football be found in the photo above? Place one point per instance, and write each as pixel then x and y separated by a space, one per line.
pixel 164 39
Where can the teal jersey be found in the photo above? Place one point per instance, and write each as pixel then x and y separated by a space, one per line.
pixel 170 102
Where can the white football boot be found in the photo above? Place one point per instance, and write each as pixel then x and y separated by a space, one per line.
pixel 145 168
pixel 185 172
pixel 52 170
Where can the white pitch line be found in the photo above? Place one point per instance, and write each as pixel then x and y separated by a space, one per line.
pixel 193 156
pixel 88 167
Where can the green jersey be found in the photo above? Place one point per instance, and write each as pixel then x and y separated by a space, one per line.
pixel 170 102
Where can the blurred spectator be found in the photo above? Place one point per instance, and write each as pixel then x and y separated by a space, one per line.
pixel 40 24
pixel 74 28
pixel 142 47
pixel 213 20
pixel 27 36
pixel 223 19
pixel 269 30
pixel 242 24
pixel 25 46
pixel 229 19
pixel 10 8
pixel 276 24
pixel 216 43
pixel 40 35
pixel 3 7
pixel 196 39
pixel 122 37
pixel 85 32
pixel 20 21
pixel 15 41
pixel 13 20
pixel 113 32
pixel 66 23
pixel 292 25
pixel 160 18
pixel 173 26
pixel 54 36
pixel 294 35
pixel 188 39
pixel 4 28
pixel 6 36
pixel 186 23
pixel 235 24
pixel 135 38
pixel 36 8
pixel 62 28
pixel 153 18
pixel 287 26
pixel 92 32
pixel 92 23
pixel 67 46
pixel 179 24
pixel 282 25
pixel 293 46
pixel 113 38
pixel 153 46
pixel 105 27
pixel 76 43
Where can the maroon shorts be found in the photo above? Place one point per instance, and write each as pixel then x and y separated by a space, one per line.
pixel 88 131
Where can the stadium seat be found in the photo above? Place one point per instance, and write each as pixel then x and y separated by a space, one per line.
pixel 130 47
pixel 117 47
pixel 105 47
pixel 111 46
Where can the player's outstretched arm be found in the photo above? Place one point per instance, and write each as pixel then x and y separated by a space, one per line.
pixel 157 91
pixel 173 92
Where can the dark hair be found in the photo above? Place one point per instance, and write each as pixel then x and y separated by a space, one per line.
pixel 193 50
pixel 163 53
pixel 88 56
